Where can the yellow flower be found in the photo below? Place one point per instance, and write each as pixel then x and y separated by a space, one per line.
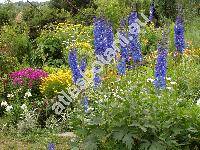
pixel 56 82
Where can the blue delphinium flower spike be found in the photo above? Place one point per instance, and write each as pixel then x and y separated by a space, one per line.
pixel 109 35
pixel 86 104
pixel 161 64
pixel 161 68
pixel 179 35
pixel 100 40
pixel 51 146
pixel 74 65
pixel 135 46
pixel 152 11
pixel 97 80
pixel 121 67
pixel 83 64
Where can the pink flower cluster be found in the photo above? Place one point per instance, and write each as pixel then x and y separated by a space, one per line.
pixel 28 74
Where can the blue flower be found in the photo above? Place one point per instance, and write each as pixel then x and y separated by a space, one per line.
pixel 74 65
pixel 121 67
pixel 179 35
pixel 161 68
pixel 51 146
pixel 109 36
pixel 97 80
pixel 86 104
pixel 100 33
pixel 135 46
pixel 152 11
pixel 83 64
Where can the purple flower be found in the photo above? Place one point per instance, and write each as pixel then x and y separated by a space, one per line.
pixel 27 76
pixel 179 35
pixel 83 65
pixel 97 80
pixel 73 63
pixel 103 39
pixel 86 104
pixel 135 46
pixel 100 34
pixel 161 64
pixel 51 146
pixel 121 67
pixel 152 11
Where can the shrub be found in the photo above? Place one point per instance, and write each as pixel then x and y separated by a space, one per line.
pixel 149 38
pixel 130 114
pixel 7 64
pixel 53 47
pixel 56 82
pixel 15 40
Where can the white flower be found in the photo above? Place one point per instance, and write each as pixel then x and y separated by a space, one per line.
pixel 168 78
pixel 150 80
pixel 27 94
pixel 10 95
pixel 4 103
pixel 198 102
pixel 8 108
pixel 24 107
pixel 172 83
pixel 169 88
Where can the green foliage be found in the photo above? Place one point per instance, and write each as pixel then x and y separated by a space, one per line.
pixel 85 16
pixel 149 38
pixel 129 113
pixel 7 13
pixel 56 41
pixel 70 6
pixel 49 49
pixel 166 9
pixel 15 40
pixel 113 10
pixel 7 64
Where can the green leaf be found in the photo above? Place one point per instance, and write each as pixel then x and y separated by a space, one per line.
pixel 157 146
pixel 118 135
pixel 128 140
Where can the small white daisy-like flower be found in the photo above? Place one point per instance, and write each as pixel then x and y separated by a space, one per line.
pixel 4 104
pixel 173 83
pixel 169 88
pixel 150 80
pixel 27 94
pixel 10 95
pixel 198 102
pixel 168 78
pixel 24 107
pixel 8 108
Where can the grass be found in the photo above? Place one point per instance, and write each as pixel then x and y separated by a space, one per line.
pixel 37 140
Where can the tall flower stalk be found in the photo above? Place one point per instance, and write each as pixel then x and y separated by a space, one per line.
pixel 103 39
pixel 161 64
pixel 121 67
pixel 179 39
pixel 135 46
pixel 73 63
pixel 100 40
pixel 152 11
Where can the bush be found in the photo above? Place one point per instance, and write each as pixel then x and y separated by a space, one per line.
pixel 8 64
pixel 149 38
pixel 130 114
pixel 15 40
pixel 56 82
pixel 53 47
